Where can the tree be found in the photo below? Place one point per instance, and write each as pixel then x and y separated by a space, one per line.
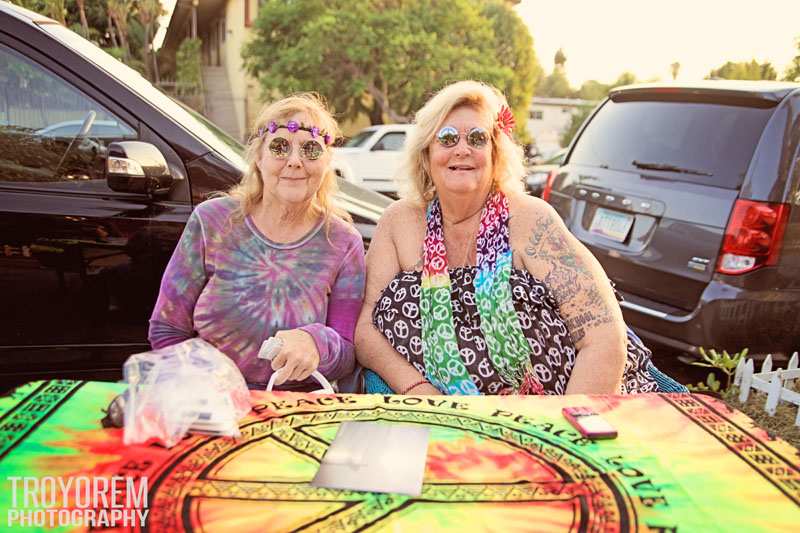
pixel 513 42
pixel 593 90
pixel 675 68
pixel 793 71
pixel 127 38
pixel 385 57
pixel 556 85
pixel 149 11
pixel 87 19
pixel 118 12
pixel 560 58
pixel 111 32
pixel 34 5
pixel 626 78
pixel 744 71
pixel 577 119
pixel 137 44
pixel 84 23
pixel 189 67
pixel 57 10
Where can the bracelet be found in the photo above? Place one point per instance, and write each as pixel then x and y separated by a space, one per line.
pixel 413 385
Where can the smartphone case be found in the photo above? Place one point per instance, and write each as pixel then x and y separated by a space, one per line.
pixel 590 424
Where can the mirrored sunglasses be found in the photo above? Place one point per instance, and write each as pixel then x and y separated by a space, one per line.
pixel 448 137
pixel 281 148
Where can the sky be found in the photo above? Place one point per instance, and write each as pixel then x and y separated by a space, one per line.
pixel 603 39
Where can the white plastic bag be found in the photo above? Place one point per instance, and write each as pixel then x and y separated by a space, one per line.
pixel 190 386
pixel 327 388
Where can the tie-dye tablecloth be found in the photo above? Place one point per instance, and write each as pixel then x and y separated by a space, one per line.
pixel 680 463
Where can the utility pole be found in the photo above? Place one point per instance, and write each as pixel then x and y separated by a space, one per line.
pixel 194 18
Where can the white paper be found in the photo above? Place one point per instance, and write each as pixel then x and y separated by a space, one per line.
pixel 377 457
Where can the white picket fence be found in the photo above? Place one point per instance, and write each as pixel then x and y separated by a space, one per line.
pixel 769 381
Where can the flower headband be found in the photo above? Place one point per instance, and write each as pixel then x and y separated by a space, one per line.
pixel 293 127
pixel 505 120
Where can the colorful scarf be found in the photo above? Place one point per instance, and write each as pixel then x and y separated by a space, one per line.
pixel 508 348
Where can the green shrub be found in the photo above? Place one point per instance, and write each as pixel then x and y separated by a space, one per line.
pixel 723 362
pixel 189 66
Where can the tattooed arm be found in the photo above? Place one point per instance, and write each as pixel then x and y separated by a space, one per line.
pixel 585 297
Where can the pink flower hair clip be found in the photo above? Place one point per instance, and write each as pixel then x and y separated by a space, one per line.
pixel 505 120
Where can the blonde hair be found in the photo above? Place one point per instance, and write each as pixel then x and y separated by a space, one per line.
pixel 250 191
pixel 507 166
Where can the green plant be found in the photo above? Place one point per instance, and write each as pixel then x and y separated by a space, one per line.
pixel 576 121
pixel 711 384
pixel 722 361
pixel 189 70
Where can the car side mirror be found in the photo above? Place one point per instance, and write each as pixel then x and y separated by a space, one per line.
pixel 137 167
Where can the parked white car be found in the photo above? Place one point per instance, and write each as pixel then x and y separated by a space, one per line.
pixel 372 157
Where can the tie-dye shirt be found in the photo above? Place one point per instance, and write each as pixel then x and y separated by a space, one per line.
pixel 229 284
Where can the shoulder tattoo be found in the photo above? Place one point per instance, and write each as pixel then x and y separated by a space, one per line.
pixel 568 278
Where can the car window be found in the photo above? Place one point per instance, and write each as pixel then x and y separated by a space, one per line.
pixel 358 139
pixel 112 130
pixel 40 116
pixel 59 131
pixel 556 159
pixel 391 142
pixel 703 143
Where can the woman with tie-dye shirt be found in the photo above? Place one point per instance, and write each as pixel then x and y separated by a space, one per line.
pixel 273 257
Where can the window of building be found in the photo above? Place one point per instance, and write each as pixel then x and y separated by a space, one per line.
pixel 537 115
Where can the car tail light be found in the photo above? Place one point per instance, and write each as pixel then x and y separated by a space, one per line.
pixel 753 237
pixel 548 185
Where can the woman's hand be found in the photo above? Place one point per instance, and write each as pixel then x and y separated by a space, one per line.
pixel 298 357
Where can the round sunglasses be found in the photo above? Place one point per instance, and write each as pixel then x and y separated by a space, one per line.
pixel 281 148
pixel 448 137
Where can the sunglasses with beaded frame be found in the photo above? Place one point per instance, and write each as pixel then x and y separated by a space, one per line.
pixel 281 148
pixel 476 137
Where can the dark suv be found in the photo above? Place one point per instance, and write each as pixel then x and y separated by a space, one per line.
pixel 99 172
pixel 689 196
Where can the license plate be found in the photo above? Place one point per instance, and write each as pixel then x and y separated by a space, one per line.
pixel 611 224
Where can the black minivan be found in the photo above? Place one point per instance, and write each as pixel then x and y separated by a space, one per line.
pixel 82 250
pixel 689 196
